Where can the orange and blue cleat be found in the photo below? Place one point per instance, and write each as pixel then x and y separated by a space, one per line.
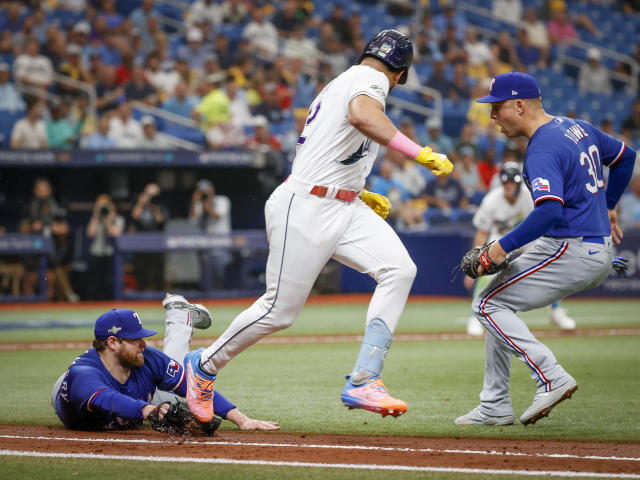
pixel 372 395
pixel 199 387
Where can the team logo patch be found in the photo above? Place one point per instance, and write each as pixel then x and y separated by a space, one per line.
pixel 114 330
pixel 384 49
pixel 379 90
pixel 541 184
pixel 172 368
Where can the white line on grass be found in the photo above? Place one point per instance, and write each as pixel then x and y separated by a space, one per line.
pixel 336 447
pixel 230 461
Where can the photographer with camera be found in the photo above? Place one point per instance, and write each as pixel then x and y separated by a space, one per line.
pixel 212 213
pixel 104 225
pixel 149 216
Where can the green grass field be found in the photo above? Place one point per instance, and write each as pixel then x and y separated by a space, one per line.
pixel 299 384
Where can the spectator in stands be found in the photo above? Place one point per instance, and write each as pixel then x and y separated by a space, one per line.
pixel 108 94
pixel 100 140
pixel 61 132
pixel 151 139
pixel 426 48
pixel 79 35
pixel 235 12
pixel 286 20
pixel 446 199
pixel 13 18
pixel 435 138
pixel 73 67
pixel 194 52
pixel 10 100
pixel 124 129
pixel 292 136
pixel 631 125
pixel 227 56
pixel 487 167
pixel 630 205
pixel 528 54
pixel 104 225
pixel 149 216
pixel 339 24
pixel 466 172
pixel 452 47
pixel 438 80
pixel 262 35
pixel 630 6
pixel 30 131
pixel 509 11
pixel 55 46
pixel 406 172
pixel 225 134
pixel 163 81
pixel 336 56
pixel 262 139
pixel 270 106
pixel 300 46
pixel 560 28
pixel 212 213
pixel 214 106
pixel 467 137
pixel 239 106
pixel 593 76
pixel 478 55
pixel 181 103
pixel 72 5
pixel 140 15
pixel 453 19
pixel 536 30
pixel 459 89
pixel 124 70
pixel 479 113
pixel 139 89
pixel 26 31
pixel 210 10
pixel 110 14
pixel 505 58
pixel 211 66
pixel 32 68
pixel 109 50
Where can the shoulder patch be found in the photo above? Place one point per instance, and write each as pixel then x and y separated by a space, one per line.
pixel 172 368
pixel 541 184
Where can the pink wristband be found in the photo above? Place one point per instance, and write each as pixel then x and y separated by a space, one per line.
pixel 403 144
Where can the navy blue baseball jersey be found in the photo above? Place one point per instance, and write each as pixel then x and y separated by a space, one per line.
pixel 91 399
pixel 564 162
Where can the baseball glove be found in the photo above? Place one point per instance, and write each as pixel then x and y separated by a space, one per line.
pixel 478 256
pixel 179 420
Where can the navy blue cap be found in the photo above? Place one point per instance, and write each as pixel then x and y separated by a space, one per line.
pixel 511 85
pixel 121 323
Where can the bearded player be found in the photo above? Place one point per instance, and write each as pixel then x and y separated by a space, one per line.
pixel 322 212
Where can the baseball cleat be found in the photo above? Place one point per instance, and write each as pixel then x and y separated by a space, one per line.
pixel 198 315
pixel 199 387
pixel 476 417
pixel 558 316
pixel 372 395
pixel 474 327
pixel 544 402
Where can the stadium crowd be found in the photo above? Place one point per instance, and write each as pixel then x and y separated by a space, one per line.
pixel 245 72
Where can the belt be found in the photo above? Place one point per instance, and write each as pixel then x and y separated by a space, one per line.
pixel 344 195
pixel 599 240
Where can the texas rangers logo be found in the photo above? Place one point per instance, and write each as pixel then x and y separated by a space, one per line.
pixel 541 184
pixel 172 368
pixel 114 330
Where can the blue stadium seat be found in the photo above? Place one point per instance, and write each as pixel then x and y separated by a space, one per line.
pixel 7 121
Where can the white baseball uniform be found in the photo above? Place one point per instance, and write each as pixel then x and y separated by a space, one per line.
pixel 316 215
pixel 498 216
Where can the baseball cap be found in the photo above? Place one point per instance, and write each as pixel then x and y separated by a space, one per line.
pixel 121 323
pixel 73 49
pixel 194 35
pixel 511 85
pixel 433 122
pixel 82 27
pixel 594 54
pixel 148 120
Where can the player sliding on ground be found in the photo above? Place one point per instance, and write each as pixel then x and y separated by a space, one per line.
pixel 321 212
pixel 573 224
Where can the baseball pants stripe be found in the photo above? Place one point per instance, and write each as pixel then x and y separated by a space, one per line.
pixel 513 280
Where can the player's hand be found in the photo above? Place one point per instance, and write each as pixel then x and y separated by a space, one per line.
pixel 162 410
pixel 378 203
pixel 616 233
pixel 438 163
pixel 255 424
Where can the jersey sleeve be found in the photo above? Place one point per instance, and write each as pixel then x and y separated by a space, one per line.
pixel 168 374
pixel 90 392
pixel 611 149
pixel 544 170
pixel 372 83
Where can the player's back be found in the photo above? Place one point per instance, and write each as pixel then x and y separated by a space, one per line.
pixel 330 150
pixel 564 163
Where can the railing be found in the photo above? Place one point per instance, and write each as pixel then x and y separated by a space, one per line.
pixel 436 110
pixel 631 80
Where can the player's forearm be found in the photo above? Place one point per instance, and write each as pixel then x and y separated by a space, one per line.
pixel 543 217
pixel 619 177
pixel 480 237
pixel 118 404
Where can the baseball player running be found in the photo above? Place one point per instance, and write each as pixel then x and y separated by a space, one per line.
pixel 121 381
pixel 500 211
pixel 321 212
pixel 574 222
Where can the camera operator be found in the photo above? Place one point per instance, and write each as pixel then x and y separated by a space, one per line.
pixel 104 225
pixel 149 216
pixel 212 213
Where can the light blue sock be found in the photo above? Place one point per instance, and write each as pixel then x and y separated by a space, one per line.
pixel 375 345
pixel 555 304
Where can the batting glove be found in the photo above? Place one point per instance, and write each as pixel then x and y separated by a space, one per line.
pixel 378 203
pixel 438 163
pixel 621 266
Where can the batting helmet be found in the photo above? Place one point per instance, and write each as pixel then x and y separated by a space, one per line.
pixel 510 172
pixel 392 48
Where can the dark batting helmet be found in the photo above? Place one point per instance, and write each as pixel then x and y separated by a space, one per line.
pixel 510 172
pixel 392 48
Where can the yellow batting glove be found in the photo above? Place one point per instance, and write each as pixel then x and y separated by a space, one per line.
pixel 378 203
pixel 438 163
